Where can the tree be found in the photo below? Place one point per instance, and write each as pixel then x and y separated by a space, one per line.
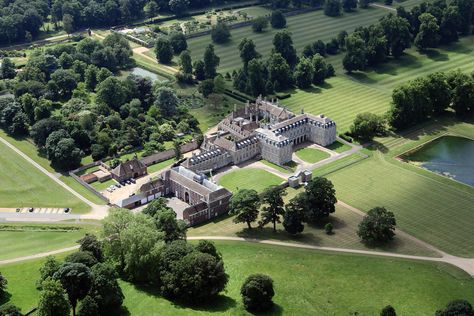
pixel 439 92
pixel 247 51
pixel 151 9
pixel 197 277
pixel 68 23
pixel 179 7
pixel 304 73
pixel 47 270
pixel 364 4
pixel 185 62
pixel 294 216
pixel 278 71
pixel 10 310
pixel 272 198
pixel 211 62
pixel 219 84
pixel 397 33
pixel 7 69
pixel 91 244
pixel 378 226
pixel 105 289
pixel 112 93
pixel 220 33
pixel 255 78
pixel 155 206
pixel 349 5
pixel 199 72
pixel 259 24
pixel 450 24
pixel 457 308
pixel 163 50
pixel 166 100
pixel 283 44
pixel 462 92
pixel 332 7
pixel 3 286
pixel 53 300
pixel 206 246
pixel 388 311
pixel 66 81
pixel 257 292
pixel 88 307
pixel 367 125
pixel 280 3
pixel 319 199
pixel 341 39
pixel 319 47
pixel 245 206
pixel 277 20
pixel 76 279
pixel 206 87
pixel 320 69
pixel 428 35
pixel 355 58
pixel 178 42
pixel 328 228
pixel 84 257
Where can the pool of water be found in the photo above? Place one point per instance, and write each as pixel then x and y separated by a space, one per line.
pixel 450 156
pixel 148 74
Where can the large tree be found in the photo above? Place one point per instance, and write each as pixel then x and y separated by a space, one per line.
pixel 366 126
pixel 283 44
pixel 272 199
pixel 245 206
pixel 220 33
pixel 457 308
pixel 164 50
pixel 7 69
pixel 279 71
pixel 3 286
pixel 277 20
pixel 53 300
pixel 319 199
pixel 356 55
pixel 332 7
pixel 178 42
pixel 294 215
pixel 257 293
pixel 377 227
pixel 397 33
pixel 256 78
pixel 211 62
pixel 304 73
pixel 428 35
pixel 105 289
pixel 247 51
pixel 166 100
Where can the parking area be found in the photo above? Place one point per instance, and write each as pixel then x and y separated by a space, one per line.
pixel 44 210
pixel 118 192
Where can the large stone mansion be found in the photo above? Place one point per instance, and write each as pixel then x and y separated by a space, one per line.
pixel 261 129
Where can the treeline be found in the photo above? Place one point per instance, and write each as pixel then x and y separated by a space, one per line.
pixel 426 26
pixel 69 102
pixel 430 96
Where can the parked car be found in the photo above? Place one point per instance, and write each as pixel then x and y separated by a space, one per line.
pixel 133 180
pixel 18 210
pixel 128 182
pixel 66 210
pixel 118 185
pixel 30 209
pixel 132 194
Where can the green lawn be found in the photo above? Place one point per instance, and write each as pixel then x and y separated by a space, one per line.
pixel 312 155
pixel 338 147
pixel 322 28
pixel 161 165
pixel 291 165
pixel 318 283
pixel 29 239
pixel 23 185
pixel 249 178
pixel 101 186
pixel 79 188
pixel 429 206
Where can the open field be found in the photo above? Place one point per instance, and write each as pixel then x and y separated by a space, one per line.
pixel 18 240
pixel 322 28
pixel 23 185
pixel 291 165
pixel 429 206
pixel 249 178
pixel 311 155
pixel 338 147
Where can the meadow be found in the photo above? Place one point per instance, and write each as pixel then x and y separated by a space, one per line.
pixel 426 205
pixel 322 28
pixel 311 155
pixel 249 178
pixel 364 285
pixel 23 185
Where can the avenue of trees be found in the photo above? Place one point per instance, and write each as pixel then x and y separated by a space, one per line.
pixel 313 205
pixel 53 103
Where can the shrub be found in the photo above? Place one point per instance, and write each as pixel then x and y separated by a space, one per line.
pixel 328 228
pixel 257 292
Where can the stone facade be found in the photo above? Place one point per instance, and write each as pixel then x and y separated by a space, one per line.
pixel 262 129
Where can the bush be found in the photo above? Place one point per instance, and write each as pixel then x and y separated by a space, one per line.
pixel 220 33
pixel 257 292
pixel 278 20
pixel 328 228
pixel 377 227
pixel 259 24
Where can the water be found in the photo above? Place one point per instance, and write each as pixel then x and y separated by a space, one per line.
pixel 148 74
pixel 450 156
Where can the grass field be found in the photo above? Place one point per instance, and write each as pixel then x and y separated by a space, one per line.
pixel 431 207
pixel 338 147
pixel 312 155
pixel 322 28
pixel 249 178
pixel 30 239
pixel 291 165
pixel 161 165
pixel 22 185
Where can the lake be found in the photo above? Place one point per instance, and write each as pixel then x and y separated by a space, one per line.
pixel 450 156
pixel 148 74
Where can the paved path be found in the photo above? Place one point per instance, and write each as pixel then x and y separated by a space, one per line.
pixel 39 255
pixel 378 5
pixel 141 50
pixel 97 211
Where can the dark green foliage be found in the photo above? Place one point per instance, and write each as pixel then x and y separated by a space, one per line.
pixel 248 51
pixel 220 33
pixel 283 44
pixel 397 32
pixel 206 87
pixel 199 70
pixel 257 293
pixel 83 257
pixel 294 216
pixel 319 47
pixel 278 71
pixel 278 20
pixel 88 307
pixel 328 228
pixel 91 244
pixel 163 50
pixel 388 311
pixel 7 69
pixel 211 62
pixel 457 308
pixel 3 286
pixel 428 34
pixel 332 7
pixel 185 62
pixel 319 199
pixel 462 93
pixel 320 72
pixel 206 246
pixel 304 73
pixel 178 42
pixel 272 199
pixel 10 310
pixel 47 270
pixel 377 227
pixel 167 223
pixel 367 125
pixel 76 279
pixel 349 5
pixel 179 7
pixel 105 289
pixel 53 300
pixel 259 24
pixel 245 206
pixel 356 56
pixel 256 75
pixel 166 101
pixel 450 24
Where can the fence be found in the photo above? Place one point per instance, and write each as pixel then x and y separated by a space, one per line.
pixel 168 154
pixel 86 185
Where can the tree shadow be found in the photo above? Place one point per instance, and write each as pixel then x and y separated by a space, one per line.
pixel 5 298
pixel 275 310
pixel 361 77
pixel 435 55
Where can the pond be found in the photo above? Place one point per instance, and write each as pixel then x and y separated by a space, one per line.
pixel 148 74
pixel 450 156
